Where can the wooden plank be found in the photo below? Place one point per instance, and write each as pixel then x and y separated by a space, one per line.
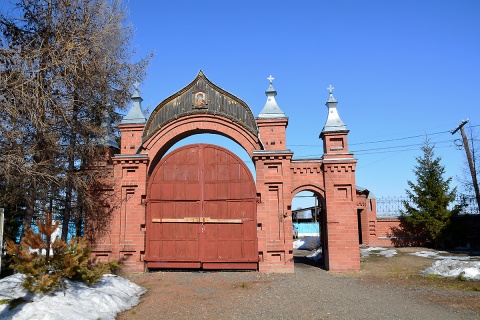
pixel 173 265
pixel 230 266
pixel 209 220
pixel 196 220
pixel 183 220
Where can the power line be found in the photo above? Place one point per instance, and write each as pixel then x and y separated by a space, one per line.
pixel 380 141
pixel 356 153
pixel 402 146
pixel 400 151
pixel 387 149
pixel 390 149
pixel 400 139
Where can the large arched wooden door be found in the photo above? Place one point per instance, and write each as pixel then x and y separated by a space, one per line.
pixel 201 211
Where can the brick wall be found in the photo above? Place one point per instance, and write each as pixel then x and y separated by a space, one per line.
pixel 278 178
pixel 273 133
pixel 131 137
pixel 463 232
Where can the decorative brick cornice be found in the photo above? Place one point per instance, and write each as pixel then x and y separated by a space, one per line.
pixel 339 168
pixel 347 157
pixel 361 203
pixel 129 185
pixel 129 126
pixel 306 166
pixel 272 155
pixel 306 170
pixel 130 159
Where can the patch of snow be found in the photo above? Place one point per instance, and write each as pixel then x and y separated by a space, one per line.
pixel 469 270
pixel 438 255
pixel 445 266
pixel 388 253
pixel 103 300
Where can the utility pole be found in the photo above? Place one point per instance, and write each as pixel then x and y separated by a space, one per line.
pixel 470 160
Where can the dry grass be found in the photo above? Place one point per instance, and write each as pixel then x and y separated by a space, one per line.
pixel 404 270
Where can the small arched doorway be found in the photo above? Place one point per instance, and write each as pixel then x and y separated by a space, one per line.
pixel 201 211
pixel 308 219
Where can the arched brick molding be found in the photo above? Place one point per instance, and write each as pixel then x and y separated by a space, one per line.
pixel 164 138
pixel 307 172
pixel 308 187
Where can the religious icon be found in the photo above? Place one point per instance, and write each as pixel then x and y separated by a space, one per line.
pixel 200 99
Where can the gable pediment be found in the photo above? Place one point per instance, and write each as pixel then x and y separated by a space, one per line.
pixel 201 97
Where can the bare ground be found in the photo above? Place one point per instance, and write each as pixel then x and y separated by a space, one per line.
pixel 385 288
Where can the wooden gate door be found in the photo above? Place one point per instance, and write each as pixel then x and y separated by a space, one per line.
pixel 201 211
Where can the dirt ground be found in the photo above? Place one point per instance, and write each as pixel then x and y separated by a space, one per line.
pixel 384 288
pixel 404 270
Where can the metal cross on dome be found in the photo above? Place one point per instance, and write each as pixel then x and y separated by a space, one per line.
pixel 270 79
pixel 136 85
pixel 330 88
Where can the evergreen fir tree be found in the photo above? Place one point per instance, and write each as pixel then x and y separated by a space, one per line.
pixel 44 262
pixel 427 210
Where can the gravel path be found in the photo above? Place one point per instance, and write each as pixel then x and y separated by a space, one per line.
pixel 309 293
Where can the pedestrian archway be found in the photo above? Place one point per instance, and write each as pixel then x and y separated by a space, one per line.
pixel 308 214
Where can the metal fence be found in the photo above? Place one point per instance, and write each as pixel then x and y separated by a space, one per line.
pixel 391 206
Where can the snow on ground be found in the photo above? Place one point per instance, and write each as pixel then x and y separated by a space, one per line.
pixel 439 255
pixel 388 253
pixel 465 267
pixel 468 270
pixel 113 294
pixel 103 300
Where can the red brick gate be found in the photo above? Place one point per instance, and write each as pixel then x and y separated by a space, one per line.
pixel 201 211
pixel 186 210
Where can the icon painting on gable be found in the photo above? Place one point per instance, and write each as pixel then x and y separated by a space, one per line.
pixel 200 99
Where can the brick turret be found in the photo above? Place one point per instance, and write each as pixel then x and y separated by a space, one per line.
pixel 342 247
pixel 273 187
pixel 131 126
pixel 125 240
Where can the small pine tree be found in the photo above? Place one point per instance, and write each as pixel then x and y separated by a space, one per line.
pixel 427 211
pixel 44 272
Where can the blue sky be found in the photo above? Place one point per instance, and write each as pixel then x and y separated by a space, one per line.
pixel 400 69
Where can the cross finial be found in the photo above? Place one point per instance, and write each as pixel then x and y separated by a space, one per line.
pixel 136 84
pixel 270 79
pixel 330 88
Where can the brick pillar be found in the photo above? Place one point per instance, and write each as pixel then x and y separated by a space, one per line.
pixel 127 234
pixel 125 239
pixel 370 236
pixel 274 218
pixel 342 246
